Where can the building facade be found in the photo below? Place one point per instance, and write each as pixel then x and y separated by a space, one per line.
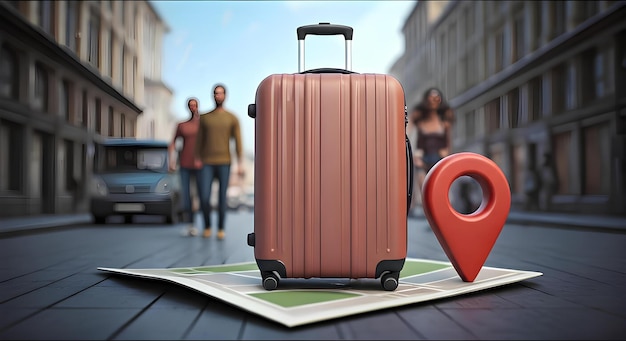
pixel 530 81
pixel 157 121
pixel 71 74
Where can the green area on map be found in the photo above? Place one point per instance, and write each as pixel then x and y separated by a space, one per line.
pixel 412 268
pixel 293 298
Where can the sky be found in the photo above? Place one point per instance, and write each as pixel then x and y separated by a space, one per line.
pixel 239 43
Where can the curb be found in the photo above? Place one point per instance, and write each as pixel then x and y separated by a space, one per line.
pixel 19 224
pixel 592 222
pixel 569 220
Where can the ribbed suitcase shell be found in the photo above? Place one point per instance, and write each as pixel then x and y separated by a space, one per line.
pixel 330 174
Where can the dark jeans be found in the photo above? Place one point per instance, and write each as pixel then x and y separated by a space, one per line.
pixel 430 159
pixel 185 183
pixel 205 180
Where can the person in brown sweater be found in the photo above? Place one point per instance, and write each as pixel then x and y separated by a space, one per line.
pixel 215 131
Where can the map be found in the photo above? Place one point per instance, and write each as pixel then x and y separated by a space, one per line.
pixel 302 301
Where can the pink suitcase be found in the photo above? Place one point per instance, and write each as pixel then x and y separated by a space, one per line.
pixel 333 177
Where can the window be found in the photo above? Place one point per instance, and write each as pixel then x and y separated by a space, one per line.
pixel 111 122
pixel 571 86
pixel 620 72
pixel 537 27
pixel 11 155
pixel 512 108
pixel 535 99
pixel 452 40
pixel 88 123
pixel 123 125
pixel 559 17
pixel 499 51
pixel 85 114
pixel 9 77
pixel 522 105
pixel 64 100
pixel 151 129
pixel 558 92
pixel 546 95
pixel 597 157
pixel 598 76
pixel 470 125
pixel 472 67
pixel 120 67
pixel 133 73
pixel 442 50
pixel 122 17
pixel 106 54
pixel 603 74
pixel 40 101
pixel 470 22
pixel 110 54
pixel 131 27
pixel 98 116
pixel 591 8
pixel 45 16
pixel 492 113
pixel 461 77
pixel 587 79
pixel 520 38
pixel 132 124
pixel 70 181
pixel 518 163
pixel 94 40
pixel 149 45
pixel 71 24
pixel 562 150
pixel 497 156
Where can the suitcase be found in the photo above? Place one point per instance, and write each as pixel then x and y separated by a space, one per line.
pixel 333 174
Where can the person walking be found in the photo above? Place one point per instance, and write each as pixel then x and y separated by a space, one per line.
pixel 549 181
pixel 190 166
pixel 213 147
pixel 532 187
pixel 432 119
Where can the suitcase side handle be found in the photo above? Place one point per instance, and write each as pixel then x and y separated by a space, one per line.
pixel 409 172
pixel 326 29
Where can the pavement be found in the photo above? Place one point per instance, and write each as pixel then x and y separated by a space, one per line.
pixel 615 223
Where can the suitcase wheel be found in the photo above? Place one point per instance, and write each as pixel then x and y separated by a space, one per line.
pixel 270 280
pixel 389 280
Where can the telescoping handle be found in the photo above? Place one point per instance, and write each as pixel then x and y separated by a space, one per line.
pixel 325 29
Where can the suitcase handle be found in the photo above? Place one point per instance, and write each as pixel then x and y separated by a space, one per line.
pixel 325 29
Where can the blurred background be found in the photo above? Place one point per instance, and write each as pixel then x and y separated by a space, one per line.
pixel 537 86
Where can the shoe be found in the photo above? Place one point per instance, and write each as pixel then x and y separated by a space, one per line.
pixel 206 233
pixel 189 231
pixel 220 234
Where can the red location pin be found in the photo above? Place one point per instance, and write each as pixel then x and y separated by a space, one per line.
pixel 467 239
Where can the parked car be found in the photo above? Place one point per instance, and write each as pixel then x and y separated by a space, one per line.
pixel 131 178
